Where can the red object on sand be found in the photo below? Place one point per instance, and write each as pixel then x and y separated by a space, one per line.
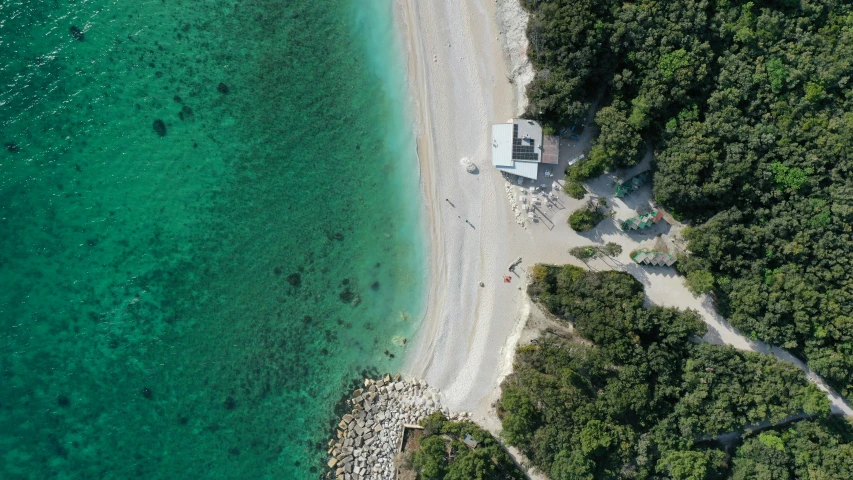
pixel 507 279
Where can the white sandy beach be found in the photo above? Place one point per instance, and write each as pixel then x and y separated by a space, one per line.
pixel 459 72
pixel 457 69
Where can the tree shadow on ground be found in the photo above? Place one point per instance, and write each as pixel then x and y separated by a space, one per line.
pixel 605 227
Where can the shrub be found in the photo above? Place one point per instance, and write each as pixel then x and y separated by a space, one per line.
pixel 584 253
pixel 592 167
pixel 443 455
pixel 585 218
pixel 574 189
pixel 611 249
pixel 700 281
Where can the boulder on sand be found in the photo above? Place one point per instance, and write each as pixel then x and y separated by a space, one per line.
pixel 469 166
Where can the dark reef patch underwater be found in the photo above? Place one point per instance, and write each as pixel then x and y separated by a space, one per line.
pixel 188 191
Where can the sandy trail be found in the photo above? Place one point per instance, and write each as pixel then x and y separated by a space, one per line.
pixel 461 56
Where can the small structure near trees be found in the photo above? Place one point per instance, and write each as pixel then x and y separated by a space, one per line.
pixel 643 221
pixel 630 185
pixel 454 449
pixel 657 259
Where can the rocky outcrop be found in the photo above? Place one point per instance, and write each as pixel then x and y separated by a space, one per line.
pixel 76 33
pixel 160 127
pixel 370 435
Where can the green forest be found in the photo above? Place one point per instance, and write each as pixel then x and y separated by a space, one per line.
pixel 636 394
pixel 441 454
pixel 748 109
pixel 812 450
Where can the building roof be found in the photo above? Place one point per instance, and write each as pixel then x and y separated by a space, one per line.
pixel 526 140
pixel 643 221
pixel 501 145
pixel 551 150
pixel 655 258
pixel 633 183
pixel 517 147
pixel 523 169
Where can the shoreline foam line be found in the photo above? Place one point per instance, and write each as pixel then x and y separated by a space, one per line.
pixel 458 79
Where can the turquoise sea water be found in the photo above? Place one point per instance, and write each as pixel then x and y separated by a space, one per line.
pixel 208 229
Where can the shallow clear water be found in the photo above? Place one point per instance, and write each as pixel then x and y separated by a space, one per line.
pixel 151 318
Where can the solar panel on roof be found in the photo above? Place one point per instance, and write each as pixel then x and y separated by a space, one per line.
pixel 522 151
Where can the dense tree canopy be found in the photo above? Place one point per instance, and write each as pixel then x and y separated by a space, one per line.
pixel 442 455
pixel 642 401
pixel 814 450
pixel 749 108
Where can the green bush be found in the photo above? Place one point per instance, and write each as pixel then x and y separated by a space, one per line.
pixel 587 252
pixel 612 249
pixel 584 253
pixel 585 218
pixel 574 189
pixel 442 439
pixel 700 281
pixel 808 449
pixel 591 167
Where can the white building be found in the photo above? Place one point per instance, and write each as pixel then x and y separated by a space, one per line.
pixel 518 148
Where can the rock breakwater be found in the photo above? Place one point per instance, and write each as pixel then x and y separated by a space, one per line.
pixel 368 437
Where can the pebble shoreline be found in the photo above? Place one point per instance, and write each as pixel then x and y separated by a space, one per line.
pixel 368 437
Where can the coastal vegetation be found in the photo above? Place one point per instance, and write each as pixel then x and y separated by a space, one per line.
pixel 818 449
pixel 574 189
pixel 637 394
pixel 588 216
pixel 442 454
pixel 749 110
pixel 699 281
pixel 588 252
